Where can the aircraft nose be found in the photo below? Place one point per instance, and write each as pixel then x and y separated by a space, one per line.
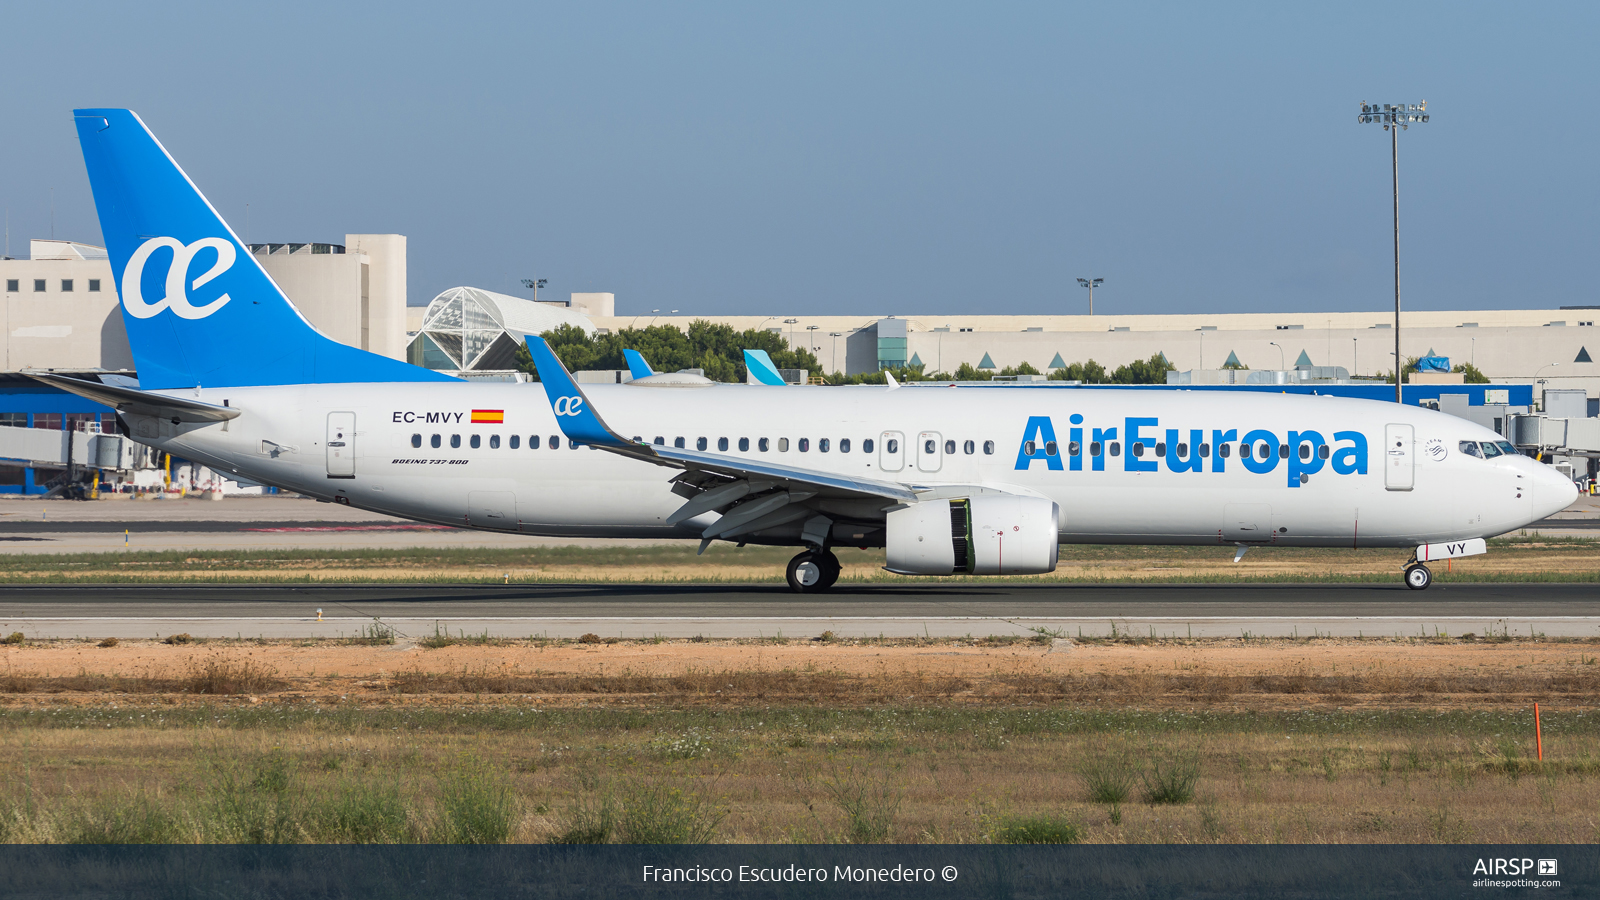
pixel 1552 491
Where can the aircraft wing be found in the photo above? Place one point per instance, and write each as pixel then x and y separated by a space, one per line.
pixel 139 403
pixel 752 494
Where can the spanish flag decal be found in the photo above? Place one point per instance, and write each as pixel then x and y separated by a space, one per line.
pixel 488 416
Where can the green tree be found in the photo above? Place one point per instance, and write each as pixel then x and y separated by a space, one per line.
pixel 716 348
pixel 1143 371
pixel 1473 376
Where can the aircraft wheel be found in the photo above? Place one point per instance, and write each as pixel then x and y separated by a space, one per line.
pixel 830 568
pixel 808 573
pixel 1418 577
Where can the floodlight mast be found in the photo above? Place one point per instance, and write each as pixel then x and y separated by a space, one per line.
pixel 1394 117
pixel 535 284
pixel 1091 286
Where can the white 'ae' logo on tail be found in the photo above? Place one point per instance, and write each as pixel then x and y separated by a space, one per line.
pixel 569 406
pixel 177 298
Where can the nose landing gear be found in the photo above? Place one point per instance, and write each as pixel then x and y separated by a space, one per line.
pixel 813 572
pixel 1418 577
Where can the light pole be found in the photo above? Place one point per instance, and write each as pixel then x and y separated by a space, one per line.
pixel 1282 366
pixel 811 339
pixel 1091 286
pixel 1539 381
pixel 535 284
pixel 791 331
pixel 835 351
pixel 1355 357
pixel 1394 117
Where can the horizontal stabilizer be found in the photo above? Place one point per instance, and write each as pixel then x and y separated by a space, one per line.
pixel 140 403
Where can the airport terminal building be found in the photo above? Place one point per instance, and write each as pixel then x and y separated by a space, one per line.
pixel 61 312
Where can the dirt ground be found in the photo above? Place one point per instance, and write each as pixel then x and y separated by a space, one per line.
pixel 1255 674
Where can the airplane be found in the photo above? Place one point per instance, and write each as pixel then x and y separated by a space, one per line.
pixel 974 480
pixel 761 368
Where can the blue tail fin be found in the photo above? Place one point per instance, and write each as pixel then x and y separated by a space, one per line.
pixel 637 367
pixel 198 308
pixel 761 369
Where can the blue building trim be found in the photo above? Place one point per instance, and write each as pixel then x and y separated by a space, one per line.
pixel 20 394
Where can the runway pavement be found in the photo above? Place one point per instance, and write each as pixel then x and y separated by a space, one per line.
pixel 935 610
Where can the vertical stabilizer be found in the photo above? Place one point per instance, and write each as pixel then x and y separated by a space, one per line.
pixel 761 368
pixel 198 308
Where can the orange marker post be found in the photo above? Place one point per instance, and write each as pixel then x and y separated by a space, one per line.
pixel 1538 733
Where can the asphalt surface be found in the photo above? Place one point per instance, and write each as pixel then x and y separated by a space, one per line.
pixel 949 610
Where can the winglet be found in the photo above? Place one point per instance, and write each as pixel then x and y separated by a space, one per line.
pixel 761 368
pixel 575 416
pixel 890 376
pixel 637 367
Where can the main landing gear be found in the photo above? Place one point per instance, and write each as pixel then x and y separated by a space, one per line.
pixel 1418 577
pixel 813 571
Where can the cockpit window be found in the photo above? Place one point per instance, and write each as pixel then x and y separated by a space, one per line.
pixel 1506 448
pixel 1490 451
pixel 1470 448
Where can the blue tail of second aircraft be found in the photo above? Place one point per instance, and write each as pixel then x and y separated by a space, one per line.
pixel 199 309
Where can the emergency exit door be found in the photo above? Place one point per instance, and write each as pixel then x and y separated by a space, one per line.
pixel 341 445
pixel 1399 457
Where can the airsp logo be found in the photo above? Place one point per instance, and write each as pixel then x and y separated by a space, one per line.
pixel 177 298
pixel 569 406
pixel 1435 449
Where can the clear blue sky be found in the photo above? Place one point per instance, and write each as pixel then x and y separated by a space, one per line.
pixel 857 157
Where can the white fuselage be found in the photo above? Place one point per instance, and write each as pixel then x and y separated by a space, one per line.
pixel 1357 492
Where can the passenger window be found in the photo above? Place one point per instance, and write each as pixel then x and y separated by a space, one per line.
pixel 949 448
pixel 928 447
pixel 455 441
pixel 762 445
pixel 1138 448
pixel 744 445
pixel 1094 448
pixel 434 442
pixel 804 444
pixel 677 442
pixel 1323 452
pixel 1470 448
pixel 416 440
pixel 1305 451
pixel 516 441
pixel 891 446
pixel 1490 451
pixel 1205 450
pixel 1283 451
pixel 533 442
pixel 1073 448
pixel 1049 448
pixel 783 445
pixel 722 444
pixel 1265 450
pixel 1183 450
pixel 660 441
pixel 475 441
pixel 844 445
pixel 494 442
pixel 1029 448
pixel 822 445
pixel 1161 448
pixel 555 442
pixel 1225 450
pixel 1116 448
pixel 969 448
pixel 699 443
pixel 866 445
pixel 988 448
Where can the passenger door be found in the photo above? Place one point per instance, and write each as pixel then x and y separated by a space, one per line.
pixel 891 451
pixel 341 445
pixel 930 456
pixel 1399 457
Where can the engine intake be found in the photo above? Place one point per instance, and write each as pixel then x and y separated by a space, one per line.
pixel 991 534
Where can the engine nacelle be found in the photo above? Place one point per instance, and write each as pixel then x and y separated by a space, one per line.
pixel 991 534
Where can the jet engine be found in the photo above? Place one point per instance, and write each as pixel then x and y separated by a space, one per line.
pixel 990 534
